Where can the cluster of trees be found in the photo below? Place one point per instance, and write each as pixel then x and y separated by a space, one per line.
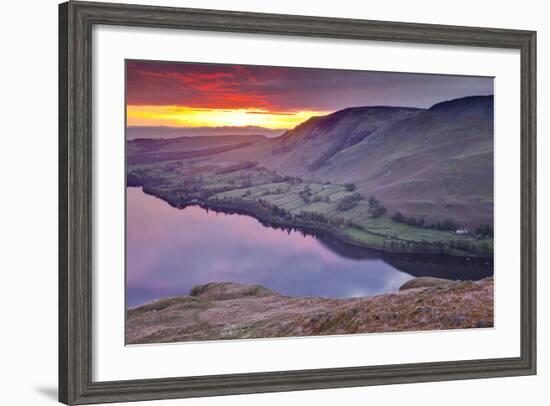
pixel 293 180
pixel 319 198
pixel 306 194
pixel 236 167
pixel 276 210
pixel 133 180
pixel 276 178
pixel 436 247
pixel 470 246
pixel 350 187
pixel 484 231
pixel 376 208
pixel 246 180
pixel 398 217
pixel 260 208
pixel 446 225
pixel 316 219
pixel 274 214
pixel 312 217
pixel 349 202
pixel 277 191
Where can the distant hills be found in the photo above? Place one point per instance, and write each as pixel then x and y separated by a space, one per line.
pixel 133 132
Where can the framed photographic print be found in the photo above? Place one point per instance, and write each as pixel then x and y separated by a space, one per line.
pixel 256 202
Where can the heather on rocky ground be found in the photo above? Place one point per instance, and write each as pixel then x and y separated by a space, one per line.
pixel 219 311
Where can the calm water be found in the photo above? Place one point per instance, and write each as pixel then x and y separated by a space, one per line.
pixel 169 251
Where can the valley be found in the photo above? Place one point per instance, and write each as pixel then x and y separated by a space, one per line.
pixel 388 178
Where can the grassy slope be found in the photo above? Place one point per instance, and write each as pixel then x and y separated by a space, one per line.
pixel 305 148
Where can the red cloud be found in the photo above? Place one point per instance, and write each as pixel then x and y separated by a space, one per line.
pixel 183 84
pixel 204 85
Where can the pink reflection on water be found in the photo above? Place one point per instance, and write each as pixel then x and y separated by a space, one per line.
pixel 154 222
pixel 171 250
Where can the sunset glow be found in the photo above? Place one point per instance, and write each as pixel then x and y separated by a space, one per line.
pixel 211 96
pixel 182 116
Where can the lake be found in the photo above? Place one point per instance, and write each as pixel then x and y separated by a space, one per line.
pixel 169 250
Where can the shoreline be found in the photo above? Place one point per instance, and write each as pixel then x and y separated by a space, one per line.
pixel 256 211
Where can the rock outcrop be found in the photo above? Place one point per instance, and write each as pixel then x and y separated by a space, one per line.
pixel 229 290
pixel 424 282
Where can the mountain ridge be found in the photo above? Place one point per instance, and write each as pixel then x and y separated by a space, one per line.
pixel 319 138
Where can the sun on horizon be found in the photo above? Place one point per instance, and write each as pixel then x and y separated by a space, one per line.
pixel 185 116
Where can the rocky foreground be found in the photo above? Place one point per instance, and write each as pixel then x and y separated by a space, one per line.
pixel 218 311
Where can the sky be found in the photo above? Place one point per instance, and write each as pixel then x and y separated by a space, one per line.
pixel 192 95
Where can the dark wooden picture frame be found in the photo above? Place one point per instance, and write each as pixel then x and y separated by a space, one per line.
pixel 76 20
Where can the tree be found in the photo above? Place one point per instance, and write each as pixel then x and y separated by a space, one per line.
pixel 349 202
pixel 376 208
pixel 350 187
pixel 377 212
pixel 484 231
pixel 398 217
pixel 411 221
pixel 447 225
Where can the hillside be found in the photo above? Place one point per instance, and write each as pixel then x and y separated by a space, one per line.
pixel 218 311
pixel 307 147
pixel 430 164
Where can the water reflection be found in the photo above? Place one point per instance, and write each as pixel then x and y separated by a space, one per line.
pixel 169 251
